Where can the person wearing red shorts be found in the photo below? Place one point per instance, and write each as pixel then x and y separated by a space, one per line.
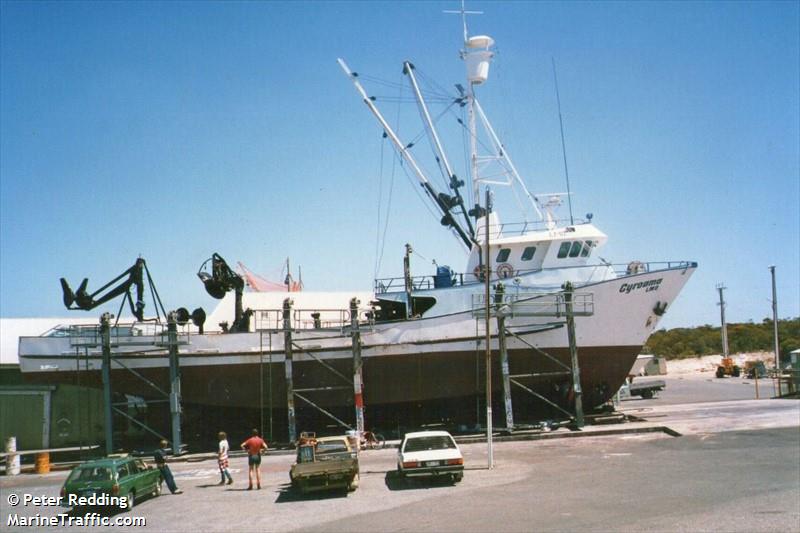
pixel 254 445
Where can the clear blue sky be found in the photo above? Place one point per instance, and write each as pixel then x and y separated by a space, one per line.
pixel 173 130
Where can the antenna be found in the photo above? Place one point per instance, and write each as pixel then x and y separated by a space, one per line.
pixel 463 12
pixel 563 144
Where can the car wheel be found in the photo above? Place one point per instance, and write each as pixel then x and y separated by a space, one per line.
pixel 353 485
pixel 131 500
pixel 457 477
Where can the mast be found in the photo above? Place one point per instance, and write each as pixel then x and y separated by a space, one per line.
pixel 451 177
pixel 477 55
pixel 438 199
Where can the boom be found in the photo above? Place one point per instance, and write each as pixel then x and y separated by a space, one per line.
pixel 81 299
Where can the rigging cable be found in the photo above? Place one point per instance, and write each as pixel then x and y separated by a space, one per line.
pixel 378 237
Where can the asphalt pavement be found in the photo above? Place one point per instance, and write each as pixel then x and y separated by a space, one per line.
pixel 734 467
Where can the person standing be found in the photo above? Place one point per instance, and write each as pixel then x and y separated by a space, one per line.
pixel 254 445
pixel 222 459
pixel 160 456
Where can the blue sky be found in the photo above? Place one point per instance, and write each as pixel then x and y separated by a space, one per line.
pixel 174 130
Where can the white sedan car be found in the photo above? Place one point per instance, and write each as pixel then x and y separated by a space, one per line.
pixel 430 454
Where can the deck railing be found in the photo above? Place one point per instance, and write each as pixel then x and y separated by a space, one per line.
pixel 551 304
pixel 309 319
pixel 419 283
pixel 128 334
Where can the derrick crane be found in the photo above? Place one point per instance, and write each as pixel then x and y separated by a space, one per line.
pixel 81 299
pixel 221 280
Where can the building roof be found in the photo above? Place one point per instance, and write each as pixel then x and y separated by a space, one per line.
pixel 11 329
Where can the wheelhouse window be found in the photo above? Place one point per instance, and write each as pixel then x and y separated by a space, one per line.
pixel 528 253
pixel 502 255
pixel 573 249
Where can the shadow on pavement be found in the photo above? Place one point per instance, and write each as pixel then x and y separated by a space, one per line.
pixel 288 494
pixel 394 481
pixel 207 485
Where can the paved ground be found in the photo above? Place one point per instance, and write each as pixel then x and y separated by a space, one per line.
pixel 735 468
pixel 704 387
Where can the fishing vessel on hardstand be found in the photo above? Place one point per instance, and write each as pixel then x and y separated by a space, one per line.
pixel 422 339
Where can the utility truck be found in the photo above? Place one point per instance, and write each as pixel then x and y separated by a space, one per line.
pixel 324 463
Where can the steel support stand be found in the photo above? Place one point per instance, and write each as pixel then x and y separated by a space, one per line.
pixel 174 383
pixel 358 399
pixel 409 285
pixel 501 339
pixel 488 275
pixel 105 335
pixel 573 352
pixel 287 346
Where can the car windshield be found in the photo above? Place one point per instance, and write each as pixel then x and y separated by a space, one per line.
pixel 91 473
pixel 336 446
pixel 420 444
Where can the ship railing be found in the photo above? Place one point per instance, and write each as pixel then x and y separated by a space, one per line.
pixel 551 304
pixel 427 282
pixel 639 267
pixel 310 319
pixel 121 335
pixel 513 229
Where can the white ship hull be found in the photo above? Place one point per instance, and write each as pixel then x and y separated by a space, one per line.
pixel 404 362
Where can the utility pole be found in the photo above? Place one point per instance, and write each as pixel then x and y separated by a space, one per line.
pixel 721 287
pixel 775 320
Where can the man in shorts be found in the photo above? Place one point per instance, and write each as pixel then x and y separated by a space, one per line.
pixel 222 459
pixel 254 445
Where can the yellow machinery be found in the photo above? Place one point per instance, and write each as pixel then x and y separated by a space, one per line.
pixel 728 368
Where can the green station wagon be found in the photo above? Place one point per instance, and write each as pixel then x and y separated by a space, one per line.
pixel 103 482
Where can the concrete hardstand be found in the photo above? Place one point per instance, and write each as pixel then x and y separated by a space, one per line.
pixel 734 467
